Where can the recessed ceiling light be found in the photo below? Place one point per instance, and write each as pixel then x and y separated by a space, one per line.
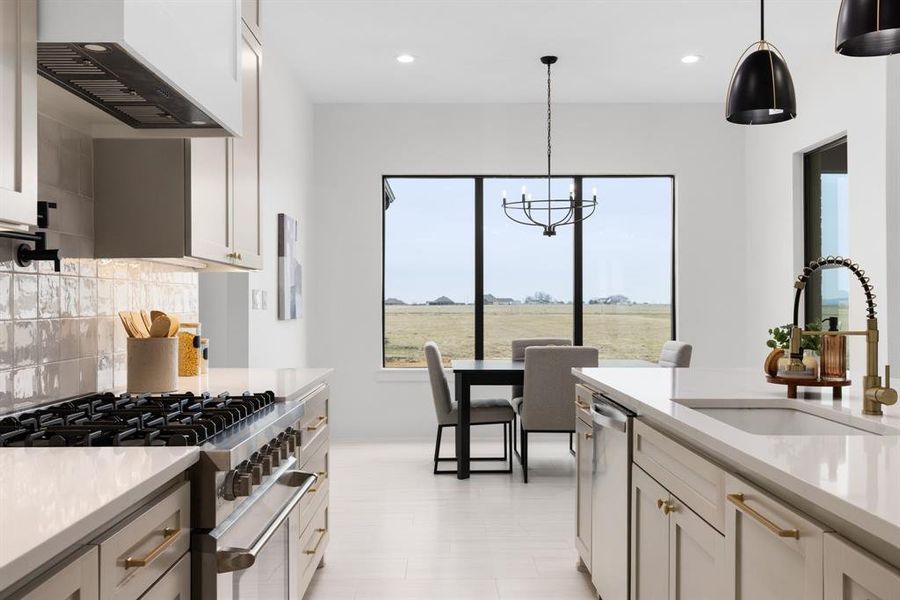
pixel 95 47
pixel 406 58
pixel 199 123
pixel 690 59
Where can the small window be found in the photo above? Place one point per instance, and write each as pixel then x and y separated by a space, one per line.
pixel 826 219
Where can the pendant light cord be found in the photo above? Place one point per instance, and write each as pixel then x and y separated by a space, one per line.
pixel 762 20
pixel 549 147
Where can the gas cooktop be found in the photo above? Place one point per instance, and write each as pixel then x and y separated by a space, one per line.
pixel 133 420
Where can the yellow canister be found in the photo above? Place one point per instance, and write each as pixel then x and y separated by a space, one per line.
pixel 189 353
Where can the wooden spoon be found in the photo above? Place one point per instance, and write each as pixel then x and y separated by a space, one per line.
pixel 126 323
pixel 175 324
pixel 137 321
pixel 160 327
pixel 156 313
pixel 148 321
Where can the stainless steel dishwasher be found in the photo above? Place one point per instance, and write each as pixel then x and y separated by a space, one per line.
pixel 611 499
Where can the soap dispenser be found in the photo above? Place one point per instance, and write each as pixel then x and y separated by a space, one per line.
pixel 834 353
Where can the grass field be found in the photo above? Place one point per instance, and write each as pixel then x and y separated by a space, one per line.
pixel 617 331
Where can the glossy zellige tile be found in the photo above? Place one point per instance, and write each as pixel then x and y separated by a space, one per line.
pixel 25 344
pixel 48 296
pixel 48 340
pixel 87 296
pixel 6 296
pixel 68 296
pixel 25 296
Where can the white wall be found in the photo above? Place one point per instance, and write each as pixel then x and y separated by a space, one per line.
pixel 356 144
pixel 835 95
pixel 255 337
pixel 893 208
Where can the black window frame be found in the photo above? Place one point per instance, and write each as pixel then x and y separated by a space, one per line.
pixel 577 248
pixel 812 226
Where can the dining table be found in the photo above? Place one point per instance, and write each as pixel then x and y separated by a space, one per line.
pixel 481 372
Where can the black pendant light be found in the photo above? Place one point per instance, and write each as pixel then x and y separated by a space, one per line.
pixel 761 90
pixel 868 28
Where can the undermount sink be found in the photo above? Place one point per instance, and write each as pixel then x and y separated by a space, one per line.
pixel 787 420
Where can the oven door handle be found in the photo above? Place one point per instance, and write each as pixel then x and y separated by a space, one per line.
pixel 237 559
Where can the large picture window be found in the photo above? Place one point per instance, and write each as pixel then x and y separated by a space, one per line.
pixel 457 271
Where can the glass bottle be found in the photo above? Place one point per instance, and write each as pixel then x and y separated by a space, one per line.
pixel 834 353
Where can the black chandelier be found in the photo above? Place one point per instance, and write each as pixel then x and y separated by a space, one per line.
pixel 868 28
pixel 550 213
pixel 761 90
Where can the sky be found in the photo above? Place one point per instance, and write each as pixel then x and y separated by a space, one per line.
pixel 429 241
pixel 835 235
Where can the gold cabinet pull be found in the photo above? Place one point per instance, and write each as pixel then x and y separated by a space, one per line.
pixel 665 506
pixel 322 421
pixel 322 475
pixel 169 537
pixel 315 548
pixel 738 500
pixel 588 436
pixel 581 404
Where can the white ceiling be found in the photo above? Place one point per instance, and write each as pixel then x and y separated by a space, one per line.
pixel 487 51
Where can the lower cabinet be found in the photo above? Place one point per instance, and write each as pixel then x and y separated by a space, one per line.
pixel 79 578
pixel 584 459
pixel 772 551
pixel 174 585
pixel 675 553
pixel 851 573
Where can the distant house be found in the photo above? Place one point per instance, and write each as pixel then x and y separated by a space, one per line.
pixel 492 299
pixel 394 302
pixel 442 301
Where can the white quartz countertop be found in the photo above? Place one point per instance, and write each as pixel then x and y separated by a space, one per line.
pixel 51 498
pixel 853 477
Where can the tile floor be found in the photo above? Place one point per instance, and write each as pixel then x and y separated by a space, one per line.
pixel 399 532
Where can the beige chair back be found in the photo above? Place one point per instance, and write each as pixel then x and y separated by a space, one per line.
pixel 518 352
pixel 675 354
pixel 549 400
pixel 440 389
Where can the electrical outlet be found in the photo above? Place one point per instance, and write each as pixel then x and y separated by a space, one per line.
pixel 256 299
pixel 264 299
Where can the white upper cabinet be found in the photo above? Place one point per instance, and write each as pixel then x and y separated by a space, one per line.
pixel 193 46
pixel 18 114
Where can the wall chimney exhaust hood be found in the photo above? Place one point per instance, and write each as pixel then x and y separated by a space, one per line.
pixel 152 64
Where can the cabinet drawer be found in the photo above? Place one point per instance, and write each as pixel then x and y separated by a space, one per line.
pixel 76 579
pixel 693 479
pixel 174 585
pixel 313 542
pixel 584 398
pixel 772 551
pixel 314 423
pixel 140 551
pixel 318 464
pixel 851 573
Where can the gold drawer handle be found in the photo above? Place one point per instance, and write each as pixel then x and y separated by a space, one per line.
pixel 665 506
pixel 580 404
pixel 322 421
pixel 323 475
pixel 738 500
pixel 169 537
pixel 588 436
pixel 315 548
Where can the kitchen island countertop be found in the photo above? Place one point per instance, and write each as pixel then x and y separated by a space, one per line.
pixel 853 479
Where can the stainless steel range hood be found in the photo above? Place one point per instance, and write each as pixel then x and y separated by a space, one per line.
pixel 112 80
pixel 151 64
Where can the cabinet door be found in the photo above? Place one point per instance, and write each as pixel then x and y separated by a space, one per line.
pixel 18 112
pixel 209 203
pixel 78 579
pixel 246 224
pixel 584 458
pixel 175 584
pixel 696 556
pixel 771 550
pixel 649 538
pixel 250 15
pixel 853 574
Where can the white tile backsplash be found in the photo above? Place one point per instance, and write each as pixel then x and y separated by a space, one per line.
pixel 60 334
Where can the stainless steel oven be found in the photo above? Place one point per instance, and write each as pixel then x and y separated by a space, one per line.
pixel 254 553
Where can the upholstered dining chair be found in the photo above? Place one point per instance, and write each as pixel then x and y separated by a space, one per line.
pixel 675 354
pixel 547 403
pixel 483 412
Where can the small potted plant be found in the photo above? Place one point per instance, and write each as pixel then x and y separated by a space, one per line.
pixel 780 341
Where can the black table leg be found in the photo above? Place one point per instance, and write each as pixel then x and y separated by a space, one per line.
pixel 462 426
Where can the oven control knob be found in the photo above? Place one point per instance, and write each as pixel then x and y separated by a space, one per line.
pixel 237 484
pixel 265 464
pixel 291 438
pixel 275 457
pixel 254 469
